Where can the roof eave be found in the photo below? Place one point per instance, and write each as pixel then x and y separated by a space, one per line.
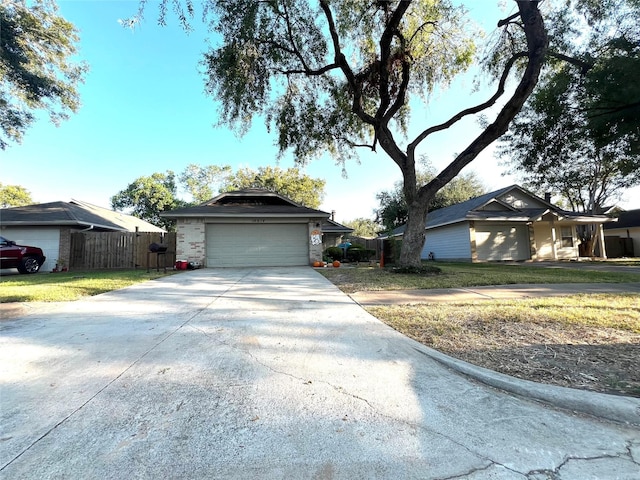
pixel 245 215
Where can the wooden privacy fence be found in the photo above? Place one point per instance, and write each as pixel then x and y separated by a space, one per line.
pixel 106 250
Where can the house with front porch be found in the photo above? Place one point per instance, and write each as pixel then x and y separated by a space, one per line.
pixel 510 224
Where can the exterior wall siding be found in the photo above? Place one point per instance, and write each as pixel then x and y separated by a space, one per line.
pixel 518 199
pixel 450 242
pixel 190 240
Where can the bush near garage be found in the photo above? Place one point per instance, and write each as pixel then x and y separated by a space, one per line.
pixel 333 253
pixel 358 253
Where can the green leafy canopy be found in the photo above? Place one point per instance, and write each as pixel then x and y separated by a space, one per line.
pixel 37 70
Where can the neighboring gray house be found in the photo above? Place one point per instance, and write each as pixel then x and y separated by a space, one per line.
pixel 49 225
pixel 508 224
pixel 251 227
pixel 626 232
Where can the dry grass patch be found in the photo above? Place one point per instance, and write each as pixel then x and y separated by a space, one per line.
pixel 457 275
pixel 590 342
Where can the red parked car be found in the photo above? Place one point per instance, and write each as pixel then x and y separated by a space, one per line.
pixel 25 259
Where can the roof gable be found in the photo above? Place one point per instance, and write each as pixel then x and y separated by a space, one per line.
pixel 512 203
pixel 247 203
pixel 73 214
pixel 250 197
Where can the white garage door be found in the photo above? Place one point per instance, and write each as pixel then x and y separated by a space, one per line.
pixel 257 245
pixel 48 239
pixel 502 242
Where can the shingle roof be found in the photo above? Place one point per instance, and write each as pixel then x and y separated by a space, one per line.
pixel 469 210
pixel 628 219
pixel 331 226
pixel 73 214
pixel 249 202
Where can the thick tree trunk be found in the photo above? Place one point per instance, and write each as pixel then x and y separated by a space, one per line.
pixel 414 235
pixel 418 200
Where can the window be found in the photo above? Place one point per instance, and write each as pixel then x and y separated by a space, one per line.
pixel 566 237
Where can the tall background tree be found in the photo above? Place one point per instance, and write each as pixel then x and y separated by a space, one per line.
pixel 37 66
pixel 392 210
pixel 201 181
pixel 578 136
pixel 363 227
pixel 14 196
pixel 147 196
pixel 338 76
pixel 291 183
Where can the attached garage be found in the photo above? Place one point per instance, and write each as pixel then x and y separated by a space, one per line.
pixel 46 238
pixel 249 228
pixel 256 245
pixel 502 242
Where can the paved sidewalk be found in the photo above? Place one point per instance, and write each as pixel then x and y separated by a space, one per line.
pixel 496 292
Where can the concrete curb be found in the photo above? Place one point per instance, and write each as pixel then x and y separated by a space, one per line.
pixel 609 407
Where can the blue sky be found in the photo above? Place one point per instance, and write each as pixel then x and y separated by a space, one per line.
pixel 144 110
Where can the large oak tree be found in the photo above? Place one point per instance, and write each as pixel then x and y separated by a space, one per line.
pixel 38 68
pixel 335 76
pixel 578 135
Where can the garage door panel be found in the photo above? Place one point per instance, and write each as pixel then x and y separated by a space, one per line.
pixel 502 242
pixel 236 245
pixel 48 239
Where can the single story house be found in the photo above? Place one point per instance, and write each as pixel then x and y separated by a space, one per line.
pixel 623 236
pixel 508 224
pixel 49 225
pixel 333 233
pixel 251 227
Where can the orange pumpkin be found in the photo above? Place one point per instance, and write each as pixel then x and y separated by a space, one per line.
pixel 317 264
pixel 336 263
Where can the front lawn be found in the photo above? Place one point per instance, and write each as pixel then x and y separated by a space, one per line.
pixel 590 342
pixel 68 286
pixel 457 275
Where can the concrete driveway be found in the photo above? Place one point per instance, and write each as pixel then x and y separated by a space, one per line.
pixel 266 373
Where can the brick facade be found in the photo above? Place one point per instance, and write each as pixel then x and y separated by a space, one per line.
pixel 190 240
pixel 64 248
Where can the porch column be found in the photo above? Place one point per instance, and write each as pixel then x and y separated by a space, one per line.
pixel 533 252
pixel 472 241
pixel 603 248
pixel 554 251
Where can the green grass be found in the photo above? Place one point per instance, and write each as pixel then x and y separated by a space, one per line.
pixel 68 286
pixel 458 275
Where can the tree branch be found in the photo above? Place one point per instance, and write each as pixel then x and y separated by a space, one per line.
pixel 537 43
pixel 390 31
pixel 584 66
pixel 507 20
pixel 342 63
pixel 472 110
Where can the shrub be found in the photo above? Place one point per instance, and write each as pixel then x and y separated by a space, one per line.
pixel 357 253
pixel 333 253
